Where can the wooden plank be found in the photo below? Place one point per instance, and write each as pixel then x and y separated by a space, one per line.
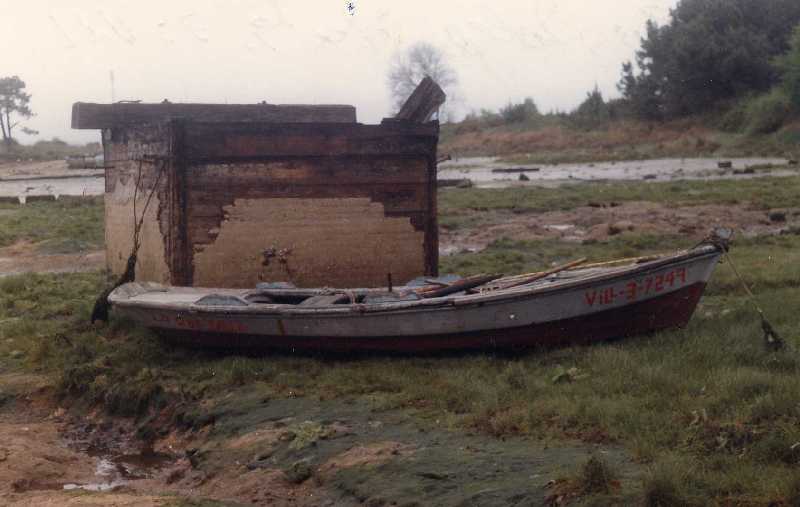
pixel 395 198
pixel 181 253
pixel 325 300
pixel 323 171
pixel 424 101
pixel 87 115
pixel 249 141
pixel 431 225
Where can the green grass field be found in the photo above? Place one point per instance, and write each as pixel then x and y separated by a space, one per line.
pixel 708 413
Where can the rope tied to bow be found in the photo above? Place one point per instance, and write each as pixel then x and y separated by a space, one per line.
pixel 101 304
pixel 772 340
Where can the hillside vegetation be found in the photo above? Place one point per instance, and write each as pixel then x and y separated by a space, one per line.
pixel 720 79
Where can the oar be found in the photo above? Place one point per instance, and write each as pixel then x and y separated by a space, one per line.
pixel 460 285
pixel 544 274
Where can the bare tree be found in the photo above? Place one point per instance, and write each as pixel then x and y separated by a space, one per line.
pixel 411 66
pixel 13 103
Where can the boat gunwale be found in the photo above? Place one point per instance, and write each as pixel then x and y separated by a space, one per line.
pixel 118 298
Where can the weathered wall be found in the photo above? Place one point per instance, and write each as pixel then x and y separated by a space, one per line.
pixel 137 154
pixel 238 203
pixel 346 204
pixel 346 222
pixel 312 242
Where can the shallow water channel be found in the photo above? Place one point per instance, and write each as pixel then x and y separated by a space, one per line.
pixel 23 189
pixel 488 172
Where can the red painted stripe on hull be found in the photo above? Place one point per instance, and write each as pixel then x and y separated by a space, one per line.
pixel 668 311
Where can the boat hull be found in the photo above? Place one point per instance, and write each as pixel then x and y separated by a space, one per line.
pixel 673 310
pixel 624 302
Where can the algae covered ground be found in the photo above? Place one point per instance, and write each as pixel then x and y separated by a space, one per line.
pixel 702 415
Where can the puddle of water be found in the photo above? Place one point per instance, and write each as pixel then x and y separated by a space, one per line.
pixel 483 171
pixel 114 470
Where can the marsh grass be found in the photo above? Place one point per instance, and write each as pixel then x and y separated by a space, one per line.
pixel 555 142
pixel 710 397
pixel 68 225
pixel 711 413
pixel 759 193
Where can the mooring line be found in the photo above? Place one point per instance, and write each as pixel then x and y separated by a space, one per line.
pixel 771 338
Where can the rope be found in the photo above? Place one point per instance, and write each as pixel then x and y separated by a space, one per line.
pixel 772 340
pixel 101 304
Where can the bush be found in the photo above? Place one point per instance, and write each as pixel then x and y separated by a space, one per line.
pixel 592 112
pixel 520 113
pixel 789 65
pixel 767 113
pixel 735 118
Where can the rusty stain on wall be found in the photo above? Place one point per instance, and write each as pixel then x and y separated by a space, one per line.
pixel 334 242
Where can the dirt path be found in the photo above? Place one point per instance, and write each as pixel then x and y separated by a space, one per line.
pixel 600 222
pixel 22 257
pixel 36 463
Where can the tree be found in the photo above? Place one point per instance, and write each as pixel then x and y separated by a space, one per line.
pixel 13 103
pixel 410 67
pixel 520 113
pixel 593 110
pixel 789 65
pixel 710 51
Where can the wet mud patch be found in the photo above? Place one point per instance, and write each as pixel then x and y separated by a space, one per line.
pixel 603 220
pixel 325 452
pixel 120 456
pixel 26 257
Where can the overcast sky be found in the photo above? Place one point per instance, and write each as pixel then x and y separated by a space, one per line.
pixel 310 51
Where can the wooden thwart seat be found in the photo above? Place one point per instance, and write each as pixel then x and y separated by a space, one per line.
pixel 325 300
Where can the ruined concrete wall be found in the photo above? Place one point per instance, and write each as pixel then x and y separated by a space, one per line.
pixel 137 154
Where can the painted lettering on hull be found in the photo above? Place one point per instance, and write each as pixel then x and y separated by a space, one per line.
pixel 201 324
pixel 636 289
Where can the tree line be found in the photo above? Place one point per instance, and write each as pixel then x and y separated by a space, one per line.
pixel 712 55
pixel 712 51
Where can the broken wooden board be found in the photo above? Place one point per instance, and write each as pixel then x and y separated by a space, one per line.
pixel 423 102
pixel 87 115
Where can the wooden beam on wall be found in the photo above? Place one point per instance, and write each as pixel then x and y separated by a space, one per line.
pixel 87 115
pixel 423 102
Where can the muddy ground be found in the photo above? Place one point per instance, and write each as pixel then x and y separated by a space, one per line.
pixel 248 448
pixel 604 220
pixel 23 257
pixel 583 224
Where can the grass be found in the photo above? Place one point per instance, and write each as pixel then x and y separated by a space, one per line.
pixel 554 142
pixel 709 398
pixel 710 413
pixel 760 193
pixel 67 225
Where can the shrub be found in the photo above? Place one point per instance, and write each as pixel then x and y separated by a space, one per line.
pixel 767 113
pixel 592 112
pixel 520 113
pixel 789 65
pixel 735 118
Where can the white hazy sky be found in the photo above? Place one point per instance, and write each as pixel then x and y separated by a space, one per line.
pixel 310 51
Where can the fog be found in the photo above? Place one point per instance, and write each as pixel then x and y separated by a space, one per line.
pixel 320 51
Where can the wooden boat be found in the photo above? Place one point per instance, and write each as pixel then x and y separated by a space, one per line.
pixel 581 304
